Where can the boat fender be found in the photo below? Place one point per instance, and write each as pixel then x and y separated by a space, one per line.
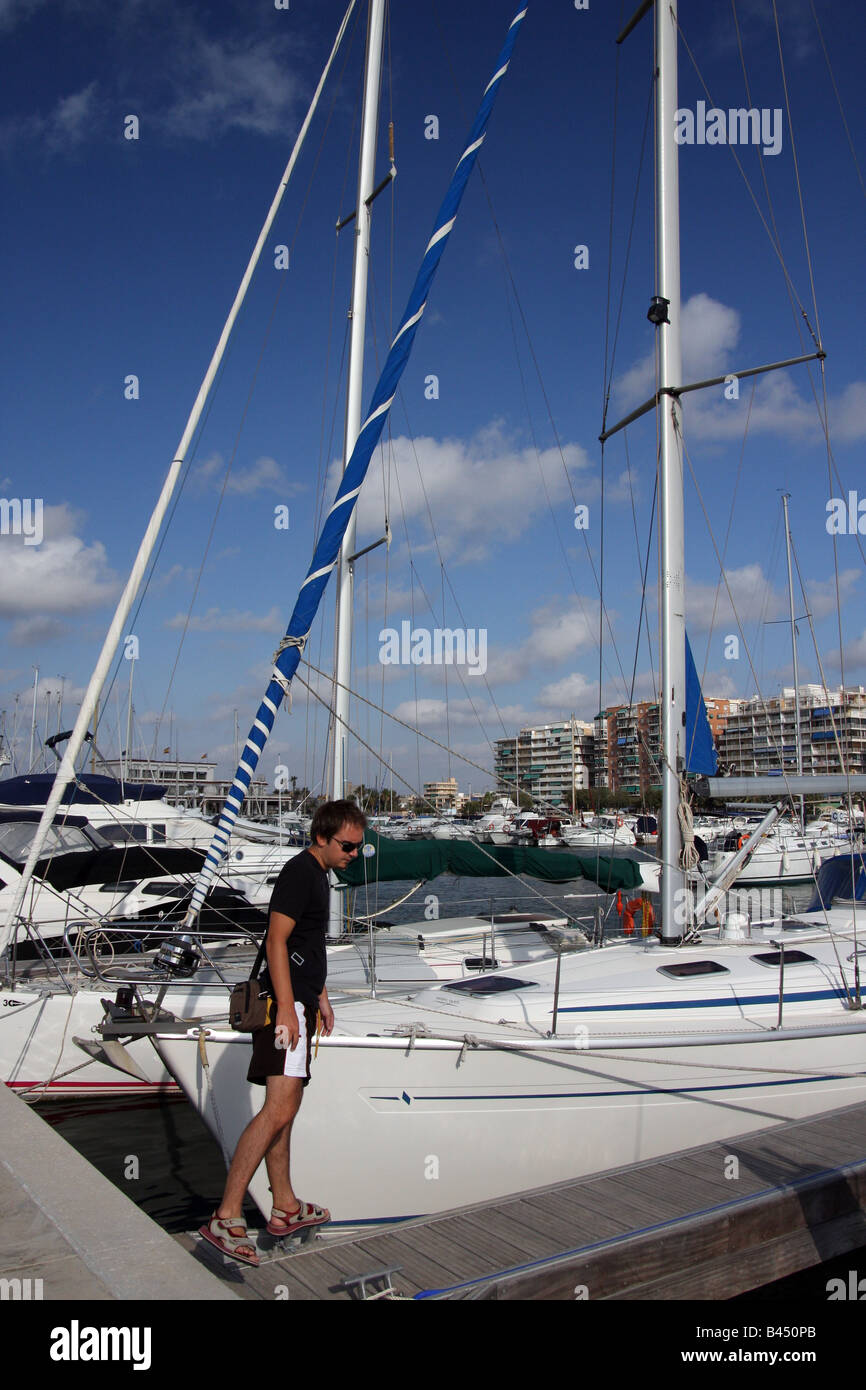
pixel 647 918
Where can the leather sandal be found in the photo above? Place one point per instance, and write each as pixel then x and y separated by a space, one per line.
pixel 283 1223
pixel 219 1232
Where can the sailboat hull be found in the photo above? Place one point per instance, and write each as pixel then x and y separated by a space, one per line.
pixel 387 1131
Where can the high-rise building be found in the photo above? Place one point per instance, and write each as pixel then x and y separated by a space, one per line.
pixel 547 761
pixel 759 737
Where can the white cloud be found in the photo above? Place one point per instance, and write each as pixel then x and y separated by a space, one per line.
pixel 821 594
pixel 63 575
pixel 229 620
pixel 265 475
pixel 72 118
pixel 240 83
pixel 709 331
pixel 64 127
pixel 571 693
pixel 481 493
pixel 559 631
pixel 782 404
pixel 848 413
pixel 14 12
pixel 32 632
pixel 755 599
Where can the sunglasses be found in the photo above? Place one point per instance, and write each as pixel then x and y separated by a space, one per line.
pixel 348 846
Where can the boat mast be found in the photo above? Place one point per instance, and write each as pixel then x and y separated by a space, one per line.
pixel 354 388
pixel 33 719
pixel 128 725
pixel 797 732
pixel 665 313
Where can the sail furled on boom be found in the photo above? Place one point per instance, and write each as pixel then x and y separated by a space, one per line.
pixel 327 550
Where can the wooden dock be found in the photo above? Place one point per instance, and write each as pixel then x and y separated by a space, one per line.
pixel 706 1223
pixel 70 1234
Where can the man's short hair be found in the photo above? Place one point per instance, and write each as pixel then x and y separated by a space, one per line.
pixel 328 819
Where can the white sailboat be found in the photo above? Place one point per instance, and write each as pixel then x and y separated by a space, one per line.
pixel 553 1070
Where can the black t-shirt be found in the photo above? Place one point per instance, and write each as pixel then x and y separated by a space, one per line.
pixel 301 892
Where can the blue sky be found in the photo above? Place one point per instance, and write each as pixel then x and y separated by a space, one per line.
pixel 122 258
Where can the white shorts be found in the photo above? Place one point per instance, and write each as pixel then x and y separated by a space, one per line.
pixel 273 1057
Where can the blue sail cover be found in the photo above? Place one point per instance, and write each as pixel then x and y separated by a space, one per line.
pixel 327 552
pixel 701 753
pixel 88 789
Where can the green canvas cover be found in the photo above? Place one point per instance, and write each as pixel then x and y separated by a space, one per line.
pixel 410 860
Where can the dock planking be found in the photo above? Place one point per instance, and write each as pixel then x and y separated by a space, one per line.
pixel 687 1225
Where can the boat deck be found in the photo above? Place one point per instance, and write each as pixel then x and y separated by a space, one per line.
pixel 708 1223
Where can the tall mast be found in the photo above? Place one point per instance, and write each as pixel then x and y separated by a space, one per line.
pixel 797 733
pixel 33 719
pixel 128 723
pixel 354 388
pixel 671 536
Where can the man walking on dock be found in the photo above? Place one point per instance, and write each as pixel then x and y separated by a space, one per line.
pixel 295 980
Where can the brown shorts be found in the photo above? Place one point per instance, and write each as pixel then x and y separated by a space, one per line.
pixel 270 1060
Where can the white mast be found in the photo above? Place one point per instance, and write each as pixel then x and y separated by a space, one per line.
pixel 798 735
pixel 360 270
pixel 33 719
pixel 671 537
pixel 128 724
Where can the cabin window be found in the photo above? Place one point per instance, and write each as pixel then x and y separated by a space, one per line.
pixel 791 958
pixel 124 834
pixel 685 970
pixel 490 984
pixel 158 834
pixel 123 886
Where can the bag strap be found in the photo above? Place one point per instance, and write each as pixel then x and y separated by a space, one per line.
pixel 260 955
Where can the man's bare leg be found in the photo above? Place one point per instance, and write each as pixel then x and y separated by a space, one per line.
pixel 279 1165
pixel 282 1100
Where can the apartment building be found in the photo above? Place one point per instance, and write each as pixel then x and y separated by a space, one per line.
pixel 759 737
pixel 443 796
pixel 546 761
